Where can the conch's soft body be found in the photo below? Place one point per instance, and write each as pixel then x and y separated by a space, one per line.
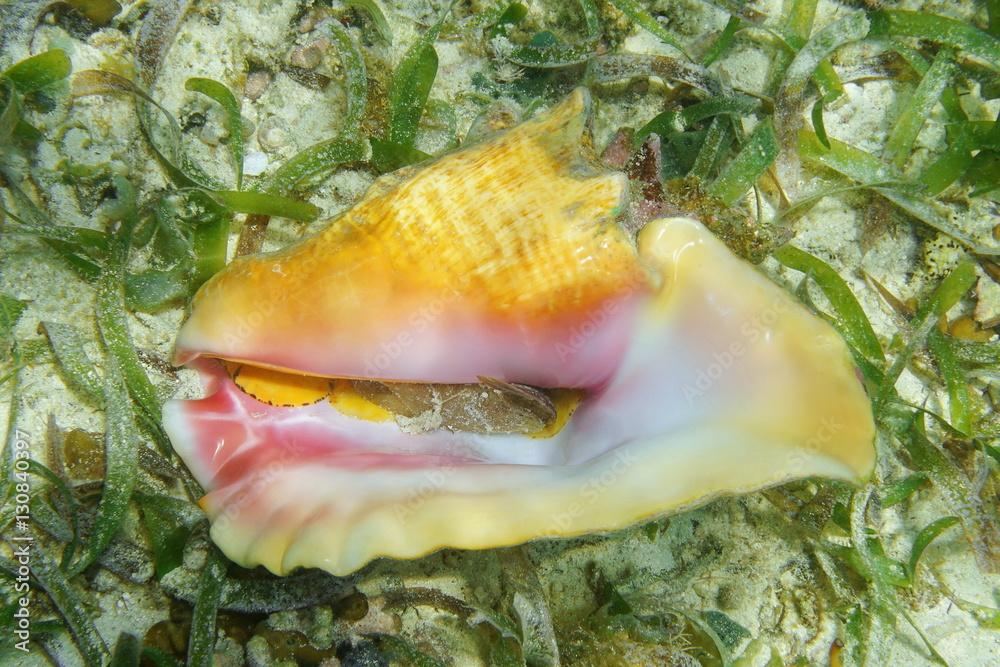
pixel 503 260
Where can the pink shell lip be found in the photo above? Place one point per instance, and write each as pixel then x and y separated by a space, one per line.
pixel 232 422
pixel 228 434
pixel 214 434
pixel 580 352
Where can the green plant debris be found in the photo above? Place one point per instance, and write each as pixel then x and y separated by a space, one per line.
pixel 127 651
pixel 111 314
pixel 11 310
pixel 234 120
pixel 312 161
pixel 941 29
pixel 634 11
pixel 264 204
pixel 730 633
pixel 616 68
pixel 169 148
pixel 38 71
pixel 799 21
pixel 949 166
pixel 943 352
pixel 944 297
pixel 924 538
pixel 357 80
pixel 13 381
pixel 743 171
pixel 512 15
pixel 850 319
pixel 157 657
pixel 376 15
pixel 121 461
pixel 819 126
pixel 810 58
pixel 87 241
pixel 717 139
pixel 169 523
pixel 813 53
pixel 735 106
pixel 871 172
pixel 904 131
pixel 724 42
pixel 61 592
pixel 411 88
pixel 899 491
pixel 206 608
pixel 66 496
pixel 10 111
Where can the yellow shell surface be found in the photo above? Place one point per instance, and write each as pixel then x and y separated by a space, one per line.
pixel 519 230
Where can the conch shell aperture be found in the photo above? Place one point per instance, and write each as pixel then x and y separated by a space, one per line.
pixel 503 260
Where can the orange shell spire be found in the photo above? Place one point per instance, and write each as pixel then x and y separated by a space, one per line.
pixel 513 234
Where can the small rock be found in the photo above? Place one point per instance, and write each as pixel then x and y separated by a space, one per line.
pixel 702 589
pixel 619 149
pixel 987 313
pixel 361 654
pixel 728 597
pixel 257 82
pixel 377 620
pixel 258 652
pixel 254 163
pixel 249 127
pixel 213 133
pixel 195 555
pixel 272 134
pixel 309 20
pixel 308 56
pixel 352 607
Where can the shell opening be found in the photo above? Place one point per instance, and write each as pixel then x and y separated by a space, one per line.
pixel 490 406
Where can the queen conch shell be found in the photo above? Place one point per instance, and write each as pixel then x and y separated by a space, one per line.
pixel 502 260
